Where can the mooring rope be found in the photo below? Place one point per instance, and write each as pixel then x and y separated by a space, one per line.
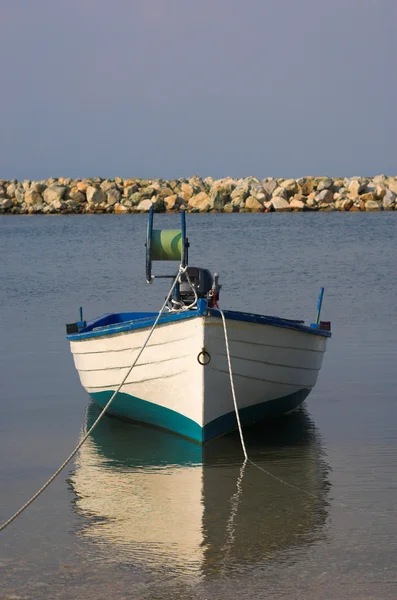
pixel 232 386
pixel 91 429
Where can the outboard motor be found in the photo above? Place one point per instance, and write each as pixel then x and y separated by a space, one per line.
pixel 204 284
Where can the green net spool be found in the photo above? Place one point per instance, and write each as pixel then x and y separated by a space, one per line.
pixel 166 244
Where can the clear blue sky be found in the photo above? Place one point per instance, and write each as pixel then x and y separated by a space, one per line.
pixel 172 88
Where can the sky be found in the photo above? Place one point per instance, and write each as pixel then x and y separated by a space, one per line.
pixel 174 88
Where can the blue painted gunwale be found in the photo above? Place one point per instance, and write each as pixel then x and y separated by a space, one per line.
pixel 135 409
pixel 111 324
pixel 267 320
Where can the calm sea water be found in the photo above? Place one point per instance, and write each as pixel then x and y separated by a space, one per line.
pixel 143 514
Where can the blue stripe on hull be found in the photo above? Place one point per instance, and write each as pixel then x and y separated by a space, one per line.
pixel 135 409
pixel 254 414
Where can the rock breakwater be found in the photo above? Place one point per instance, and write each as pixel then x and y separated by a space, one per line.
pixel 97 195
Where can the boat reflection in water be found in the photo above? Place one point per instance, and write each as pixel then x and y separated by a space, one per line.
pixel 149 497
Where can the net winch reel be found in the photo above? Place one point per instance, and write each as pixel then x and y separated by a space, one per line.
pixel 173 245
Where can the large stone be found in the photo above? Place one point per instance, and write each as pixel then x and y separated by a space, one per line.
pixel 135 199
pixel 368 197
pixel 113 196
pixel 280 204
pixel 174 202
pixel 158 204
pixel 241 192
pixel 186 191
pixel 38 186
pixel 290 186
pixel 380 191
pixel 130 189
pixel 95 195
pixel 311 203
pixel 251 180
pixel 389 200
pixel 280 192
pixel 11 189
pixel 338 183
pixel 392 184
pixel 197 182
pixel 253 204
pixel 77 195
pixel 324 197
pixel 171 202
pixel 33 197
pixel 297 204
pixel 306 185
pixel 339 204
pixel 325 184
pixel 144 193
pixel 255 189
pixel 379 179
pixel 20 194
pixel 58 205
pixel 6 203
pixel 82 186
pixel 54 192
pixel 151 190
pixel 268 206
pixel 220 196
pixel 355 187
pixel 269 186
pixel 165 192
pixel 107 185
pixel 144 205
pixel 237 203
pixel 372 205
pixel 227 184
pixel 347 204
pixel 200 201
pixel 339 196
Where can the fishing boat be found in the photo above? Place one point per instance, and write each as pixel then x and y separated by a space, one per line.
pixel 182 380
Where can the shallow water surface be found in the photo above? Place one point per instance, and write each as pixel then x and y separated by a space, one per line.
pixel 144 514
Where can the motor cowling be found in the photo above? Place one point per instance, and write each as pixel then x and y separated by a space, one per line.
pixel 204 283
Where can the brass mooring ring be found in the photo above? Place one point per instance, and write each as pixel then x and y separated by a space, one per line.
pixel 204 358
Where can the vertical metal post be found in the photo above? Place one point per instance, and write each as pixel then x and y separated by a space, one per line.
pixel 319 303
pixel 149 235
pixel 185 243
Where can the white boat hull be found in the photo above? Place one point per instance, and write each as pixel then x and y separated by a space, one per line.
pixel 274 370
